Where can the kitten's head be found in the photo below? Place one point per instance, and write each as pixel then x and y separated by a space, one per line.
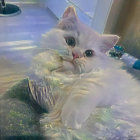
pixel 81 48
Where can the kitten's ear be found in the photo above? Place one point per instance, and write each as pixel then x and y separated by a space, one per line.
pixel 68 20
pixel 108 41
pixel 69 12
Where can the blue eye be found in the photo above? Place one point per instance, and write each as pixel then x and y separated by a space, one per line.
pixel 70 41
pixel 89 53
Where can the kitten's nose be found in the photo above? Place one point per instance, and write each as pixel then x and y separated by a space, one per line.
pixel 75 55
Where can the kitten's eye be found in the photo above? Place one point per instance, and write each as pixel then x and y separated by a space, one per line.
pixel 70 41
pixel 89 53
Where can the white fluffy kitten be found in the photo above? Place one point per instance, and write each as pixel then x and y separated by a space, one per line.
pixel 89 78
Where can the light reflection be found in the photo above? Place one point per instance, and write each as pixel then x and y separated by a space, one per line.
pixel 24 48
pixel 15 43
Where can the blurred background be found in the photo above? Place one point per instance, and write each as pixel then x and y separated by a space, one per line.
pixel 124 20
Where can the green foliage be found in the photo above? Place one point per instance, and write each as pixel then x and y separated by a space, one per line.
pixel 19 115
pixel 20 91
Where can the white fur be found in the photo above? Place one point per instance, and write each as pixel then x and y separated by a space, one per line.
pixel 87 83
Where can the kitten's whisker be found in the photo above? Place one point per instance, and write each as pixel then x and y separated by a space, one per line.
pixel 81 66
pixel 80 70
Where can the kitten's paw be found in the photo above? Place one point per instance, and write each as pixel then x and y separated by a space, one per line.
pixel 76 111
pixel 73 116
pixel 71 119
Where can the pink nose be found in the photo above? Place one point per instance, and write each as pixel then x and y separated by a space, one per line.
pixel 75 55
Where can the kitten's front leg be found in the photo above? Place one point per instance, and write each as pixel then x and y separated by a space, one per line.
pixel 76 110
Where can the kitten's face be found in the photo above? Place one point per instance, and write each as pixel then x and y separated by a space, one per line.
pixel 80 46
